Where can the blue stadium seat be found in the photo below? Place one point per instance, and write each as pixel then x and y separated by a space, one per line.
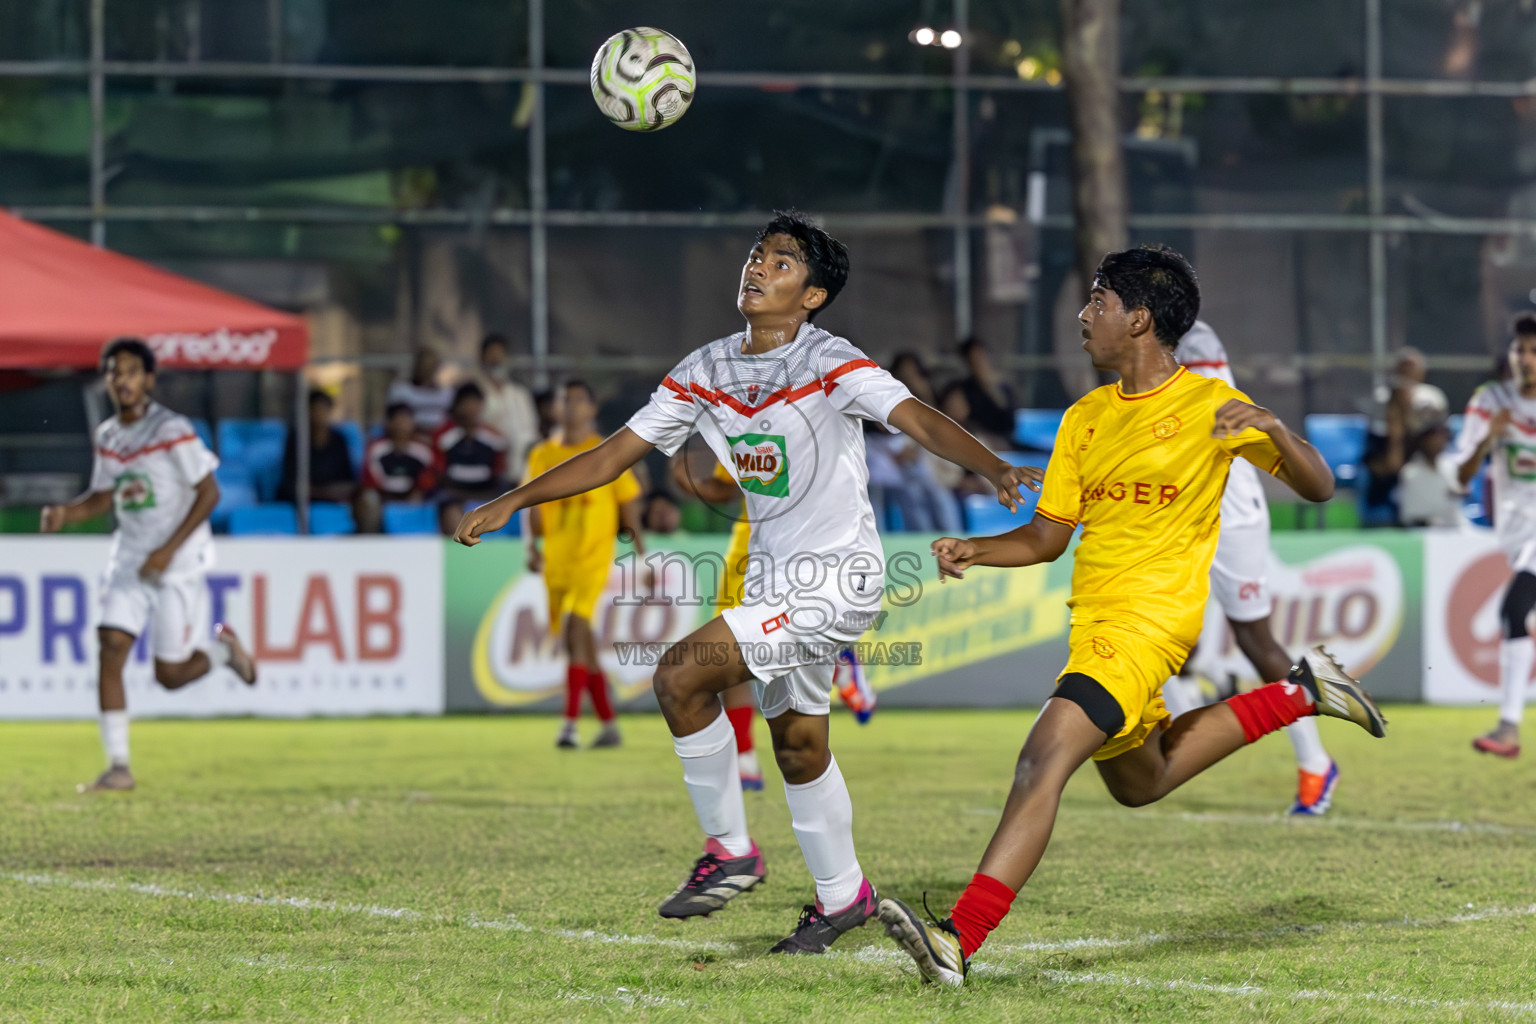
pixel 256 445
pixel 355 442
pixel 1036 428
pixel 235 491
pixel 277 518
pixel 410 518
pixel 1340 439
pixel 984 517
pixel 1475 505
pixel 203 430
pixel 331 518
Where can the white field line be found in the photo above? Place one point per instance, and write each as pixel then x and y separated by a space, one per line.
pixel 878 954
pixel 1126 981
pixel 1289 821
pixel 508 923
pixel 623 997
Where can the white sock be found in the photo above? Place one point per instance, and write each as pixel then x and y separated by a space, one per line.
pixel 1515 658
pixel 1177 697
pixel 1310 755
pixel 114 737
pixel 714 782
pixel 746 764
pixel 822 816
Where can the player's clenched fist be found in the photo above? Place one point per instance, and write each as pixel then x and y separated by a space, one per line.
pixel 1237 416
pixel 52 520
pixel 954 555
pixel 488 518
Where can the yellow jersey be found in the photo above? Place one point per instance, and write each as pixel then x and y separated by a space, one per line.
pixel 1144 477
pixel 733 580
pixel 579 531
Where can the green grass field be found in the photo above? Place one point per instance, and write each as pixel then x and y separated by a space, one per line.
pixel 464 870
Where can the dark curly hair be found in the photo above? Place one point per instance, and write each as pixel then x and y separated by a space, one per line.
pixel 134 347
pixel 826 259
pixel 1157 279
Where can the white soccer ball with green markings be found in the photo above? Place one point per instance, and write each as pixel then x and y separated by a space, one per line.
pixel 642 79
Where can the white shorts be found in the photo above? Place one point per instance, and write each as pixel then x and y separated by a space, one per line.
pixel 175 611
pixel 792 648
pixel 1521 555
pixel 1239 573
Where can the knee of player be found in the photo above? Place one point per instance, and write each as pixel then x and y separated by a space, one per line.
pixel 666 682
pixel 169 672
pixel 1519 601
pixel 802 762
pixel 1035 770
pixel 1134 796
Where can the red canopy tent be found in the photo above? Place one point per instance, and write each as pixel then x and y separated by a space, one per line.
pixel 61 300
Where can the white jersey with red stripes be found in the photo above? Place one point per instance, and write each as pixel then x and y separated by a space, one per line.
pixel 1512 466
pixel 152 466
pixel 1243 504
pixel 786 425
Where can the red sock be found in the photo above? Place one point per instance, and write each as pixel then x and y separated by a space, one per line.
pixel 741 721
pixel 980 909
pixel 1270 707
pixel 598 684
pixel 575 682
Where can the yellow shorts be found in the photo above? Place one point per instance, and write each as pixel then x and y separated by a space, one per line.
pixel 1132 666
pixel 733 580
pixel 573 597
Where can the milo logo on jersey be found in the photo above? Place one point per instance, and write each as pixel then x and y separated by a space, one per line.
pixel 134 492
pixel 1521 460
pixel 761 463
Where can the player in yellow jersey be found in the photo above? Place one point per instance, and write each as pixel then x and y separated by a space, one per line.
pixel 1141 466
pixel 577 556
pixel 718 489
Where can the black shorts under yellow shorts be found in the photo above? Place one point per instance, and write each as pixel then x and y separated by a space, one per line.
pixel 1132 667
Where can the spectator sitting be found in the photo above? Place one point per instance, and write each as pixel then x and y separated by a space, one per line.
pixel 508 405
pixel 1409 408
pixel 991 400
pixel 331 474
pixel 1428 491
pixel 396 467
pixel 927 497
pixel 470 458
pixel 427 398
pixel 953 403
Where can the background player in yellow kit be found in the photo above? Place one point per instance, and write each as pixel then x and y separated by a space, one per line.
pixel 578 534
pixel 719 489
pixel 1141 466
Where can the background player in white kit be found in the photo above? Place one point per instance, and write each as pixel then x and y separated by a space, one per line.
pixel 155 472
pixel 1501 422
pixel 1240 586
pixel 779 405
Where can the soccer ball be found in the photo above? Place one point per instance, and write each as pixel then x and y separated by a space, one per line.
pixel 642 79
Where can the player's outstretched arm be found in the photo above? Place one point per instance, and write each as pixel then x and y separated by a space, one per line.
pixel 1039 540
pixel 88 506
pixel 949 440
pixel 1302 467
pixel 592 468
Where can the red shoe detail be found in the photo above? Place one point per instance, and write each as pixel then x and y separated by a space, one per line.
pixel 1489 745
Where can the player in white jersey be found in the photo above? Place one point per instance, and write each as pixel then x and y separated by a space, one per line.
pixel 1501 422
pixel 154 471
pixel 779 404
pixel 1240 586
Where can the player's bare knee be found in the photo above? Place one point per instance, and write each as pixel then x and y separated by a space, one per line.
pixel 1133 794
pixel 801 760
